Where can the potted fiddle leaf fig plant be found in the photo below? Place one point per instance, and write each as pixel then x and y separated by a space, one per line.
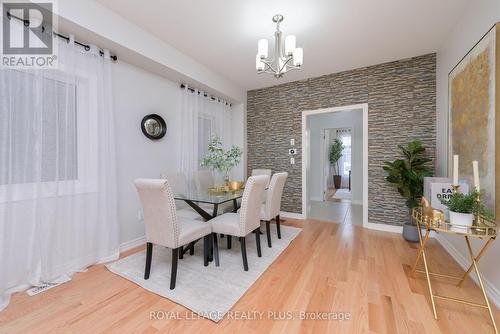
pixel 336 150
pixel 220 160
pixel 407 175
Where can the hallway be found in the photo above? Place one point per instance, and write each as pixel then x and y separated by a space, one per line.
pixel 343 212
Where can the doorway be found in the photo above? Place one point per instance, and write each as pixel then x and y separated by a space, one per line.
pixel 321 199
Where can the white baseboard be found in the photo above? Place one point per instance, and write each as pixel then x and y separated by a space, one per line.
pixel 384 227
pixel 291 215
pixel 492 292
pixel 132 244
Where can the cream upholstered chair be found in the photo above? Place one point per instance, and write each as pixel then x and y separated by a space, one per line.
pixel 178 184
pixel 245 221
pixel 164 227
pixel 267 172
pixel 271 208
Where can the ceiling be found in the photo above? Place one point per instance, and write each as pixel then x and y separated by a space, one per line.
pixel 336 35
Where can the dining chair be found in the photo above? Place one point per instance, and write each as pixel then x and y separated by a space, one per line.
pixel 262 171
pixel 245 221
pixel 271 208
pixel 164 227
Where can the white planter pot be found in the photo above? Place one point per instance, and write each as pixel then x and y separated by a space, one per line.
pixel 462 219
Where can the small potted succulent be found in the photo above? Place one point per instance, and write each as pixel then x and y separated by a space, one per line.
pixel 220 160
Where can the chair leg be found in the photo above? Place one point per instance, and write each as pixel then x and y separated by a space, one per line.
pixel 229 241
pixel 211 247
pixel 173 271
pixel 149 256
pixel 244 253
pixel 216 249
pixel 181 252
pixel 278 227
pixel 206 245
pixel 191 248
pixel 257 241
pixel 268 232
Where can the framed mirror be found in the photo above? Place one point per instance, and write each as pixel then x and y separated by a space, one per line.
pixel 153 126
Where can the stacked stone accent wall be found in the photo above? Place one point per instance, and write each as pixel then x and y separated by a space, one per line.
pixel 401 99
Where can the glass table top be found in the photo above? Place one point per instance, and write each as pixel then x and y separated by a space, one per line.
pixel 206 196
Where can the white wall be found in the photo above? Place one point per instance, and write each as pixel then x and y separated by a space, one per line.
pixel 136 94
pixel 317 125
pixel 477 19
pixel 238 137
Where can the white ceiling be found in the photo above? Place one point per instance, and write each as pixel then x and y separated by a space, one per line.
pixel 336 35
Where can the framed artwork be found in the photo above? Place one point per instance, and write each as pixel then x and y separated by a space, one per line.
pixel 473 102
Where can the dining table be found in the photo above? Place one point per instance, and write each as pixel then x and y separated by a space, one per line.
pixel 195 198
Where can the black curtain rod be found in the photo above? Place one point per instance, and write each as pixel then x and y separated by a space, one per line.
pixel 192 90
pixel 66 38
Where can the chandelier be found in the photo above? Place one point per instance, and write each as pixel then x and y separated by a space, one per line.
pixel 286 57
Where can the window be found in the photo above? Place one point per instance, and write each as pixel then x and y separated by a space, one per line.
pixel 346 140
pixel 48 141
pixel 51 133
pixel 345 161
pixel 205 133
pixel 59 132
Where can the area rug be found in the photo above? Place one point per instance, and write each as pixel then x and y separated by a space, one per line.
pixel 207 291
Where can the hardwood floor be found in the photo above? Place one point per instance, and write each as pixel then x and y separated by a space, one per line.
pixel 327 268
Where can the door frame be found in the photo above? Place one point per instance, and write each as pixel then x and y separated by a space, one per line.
pixel 306 155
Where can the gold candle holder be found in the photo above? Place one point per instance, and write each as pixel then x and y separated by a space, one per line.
pixel 478 205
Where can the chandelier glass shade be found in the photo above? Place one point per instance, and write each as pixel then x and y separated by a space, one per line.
pixel 286 56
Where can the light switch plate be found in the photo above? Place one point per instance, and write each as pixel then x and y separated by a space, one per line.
pixel 292 142
pixel 292 161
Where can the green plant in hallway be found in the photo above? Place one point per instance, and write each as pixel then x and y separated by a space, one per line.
pixel 407 175
pixel 336 150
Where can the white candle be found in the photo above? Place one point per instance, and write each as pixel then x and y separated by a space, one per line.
pixel 455 170
pixel 475 168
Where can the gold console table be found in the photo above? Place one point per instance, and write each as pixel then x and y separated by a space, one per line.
pixel 482 228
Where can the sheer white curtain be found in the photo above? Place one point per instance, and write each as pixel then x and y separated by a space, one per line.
pixel 345 135
pixel 57 170
pixel 202 118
